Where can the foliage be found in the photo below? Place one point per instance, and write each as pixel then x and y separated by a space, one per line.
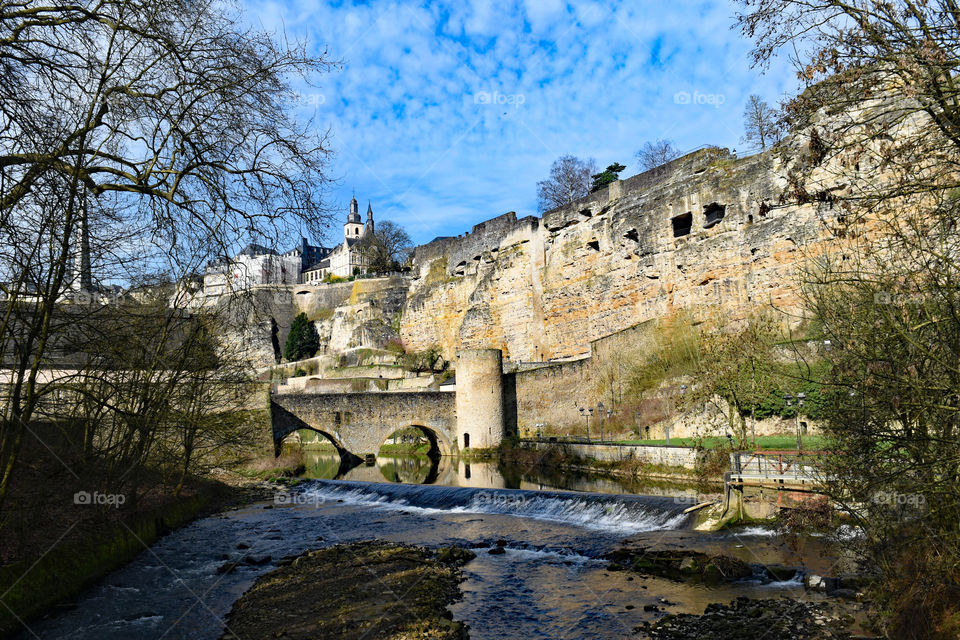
pixel 138 136
pixel 655 154
pixel 626 376
pixel 303 340
pixel 430 359
pixel 605 177
pixel 332 279
pixel 570 179
pixel 889 308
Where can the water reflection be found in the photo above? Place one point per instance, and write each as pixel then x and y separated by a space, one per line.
pixel 454 472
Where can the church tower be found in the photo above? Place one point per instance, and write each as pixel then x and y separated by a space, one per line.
pixel 353 228
pixel 82 276
pixel 368 228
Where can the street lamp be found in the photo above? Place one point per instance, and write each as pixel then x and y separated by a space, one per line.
pixel 589 413
pixel 583 412
pixel 600 412
pixel 788 398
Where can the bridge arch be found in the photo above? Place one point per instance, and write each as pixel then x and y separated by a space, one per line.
pixel 440 445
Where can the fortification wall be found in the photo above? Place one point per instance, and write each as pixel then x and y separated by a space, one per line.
pixel 546 289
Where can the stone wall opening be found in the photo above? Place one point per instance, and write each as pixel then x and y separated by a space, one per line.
pixel 713 213
pixel 682 224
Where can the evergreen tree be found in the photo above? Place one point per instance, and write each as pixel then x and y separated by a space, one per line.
pixel 605 177
pixel 303 341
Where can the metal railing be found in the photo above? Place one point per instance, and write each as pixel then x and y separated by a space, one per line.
pixel 776 469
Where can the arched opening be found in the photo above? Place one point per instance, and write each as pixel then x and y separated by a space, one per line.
pixel 322 457
pixel 412 455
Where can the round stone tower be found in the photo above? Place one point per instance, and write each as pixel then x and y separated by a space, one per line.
pixel 480 422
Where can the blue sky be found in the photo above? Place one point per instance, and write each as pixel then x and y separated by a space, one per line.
pixel 447 115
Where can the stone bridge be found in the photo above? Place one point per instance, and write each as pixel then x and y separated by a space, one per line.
pixel 358 424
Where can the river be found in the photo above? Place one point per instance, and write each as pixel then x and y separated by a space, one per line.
pixel 551 583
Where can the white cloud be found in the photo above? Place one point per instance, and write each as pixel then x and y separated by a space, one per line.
pixel 445 116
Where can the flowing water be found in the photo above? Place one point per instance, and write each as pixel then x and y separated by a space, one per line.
pixel 551 583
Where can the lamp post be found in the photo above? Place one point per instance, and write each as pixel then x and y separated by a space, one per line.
pixel 589 413
pixel 600 412
pixel 609 415
pixel 583 412
pixel 788 398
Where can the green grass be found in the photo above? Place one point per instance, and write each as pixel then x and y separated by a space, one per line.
pixel 810 443
pixel 408 449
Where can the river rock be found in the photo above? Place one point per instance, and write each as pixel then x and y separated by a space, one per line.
pixel 813 581
pixel 747 619
pixel 257 560
pixel 497 551
pixel 680 564
pixel 780 573
pixel 456 556
pixel 226 567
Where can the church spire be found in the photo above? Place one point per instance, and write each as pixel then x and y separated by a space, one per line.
pixel 368 228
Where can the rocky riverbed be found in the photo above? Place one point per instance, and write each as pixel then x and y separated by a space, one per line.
pixel 359 590
pixel 747 619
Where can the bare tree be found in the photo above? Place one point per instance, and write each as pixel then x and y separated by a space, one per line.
pixel 761 123
pixel 657 153
pixel 388 248
pixel 570 179
pixel 153 131
pixel 878 152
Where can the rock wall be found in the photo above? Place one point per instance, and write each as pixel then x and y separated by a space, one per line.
pixel 708 233
pixel 541 289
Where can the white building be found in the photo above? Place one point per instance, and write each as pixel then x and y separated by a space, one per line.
pixel 306 264
pixel 347 258
pixel 255 265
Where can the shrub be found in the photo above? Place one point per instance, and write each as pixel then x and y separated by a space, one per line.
pixel 303 341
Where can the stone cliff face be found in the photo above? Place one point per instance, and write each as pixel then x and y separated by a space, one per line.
pixel 706 233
